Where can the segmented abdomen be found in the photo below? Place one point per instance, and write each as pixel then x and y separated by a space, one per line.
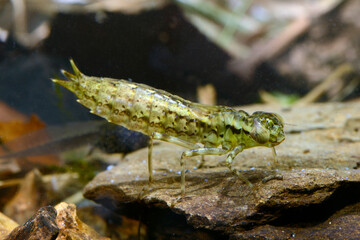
pixel 141 108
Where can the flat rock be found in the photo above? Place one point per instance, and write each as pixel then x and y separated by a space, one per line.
pixel 315 179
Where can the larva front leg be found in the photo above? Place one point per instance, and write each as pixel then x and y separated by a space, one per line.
pixel 276 163
pixel 229 161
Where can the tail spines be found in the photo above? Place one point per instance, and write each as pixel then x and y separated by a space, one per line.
pixel 77 72
pixel 73 82
pixel 68 75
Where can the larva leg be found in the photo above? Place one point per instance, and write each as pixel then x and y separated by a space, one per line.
pixel 202 161
pixel 196 152
pixel 166 138
pixel 150 160
pixel 276 163
pixel 273 165
pixel 174 140
pixel 229 161
pixel 180 142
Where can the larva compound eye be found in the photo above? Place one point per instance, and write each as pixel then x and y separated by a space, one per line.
pixel 259 133
pixel 267 128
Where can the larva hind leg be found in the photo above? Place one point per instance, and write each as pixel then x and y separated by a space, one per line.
pixel 166 138
pixel 150 168
pixel 196 152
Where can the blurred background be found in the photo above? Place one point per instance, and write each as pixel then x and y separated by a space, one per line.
pixel 225 52
pixel 241 49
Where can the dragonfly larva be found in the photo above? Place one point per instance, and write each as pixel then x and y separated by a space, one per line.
pixel 170 118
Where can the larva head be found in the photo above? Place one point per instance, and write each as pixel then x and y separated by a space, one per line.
pixel 267 129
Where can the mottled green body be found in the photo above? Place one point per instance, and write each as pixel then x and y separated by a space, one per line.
pixel 170 118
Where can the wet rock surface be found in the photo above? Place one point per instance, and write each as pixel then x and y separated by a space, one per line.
pixel 313 191
pixel 71 227
pixel 59 222
pixel 41 226
pixel 6 225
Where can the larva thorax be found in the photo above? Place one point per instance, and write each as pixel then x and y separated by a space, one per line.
pixel 231 128
pixel 226 128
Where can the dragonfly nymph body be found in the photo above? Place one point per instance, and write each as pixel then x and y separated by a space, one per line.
pixel 219 129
